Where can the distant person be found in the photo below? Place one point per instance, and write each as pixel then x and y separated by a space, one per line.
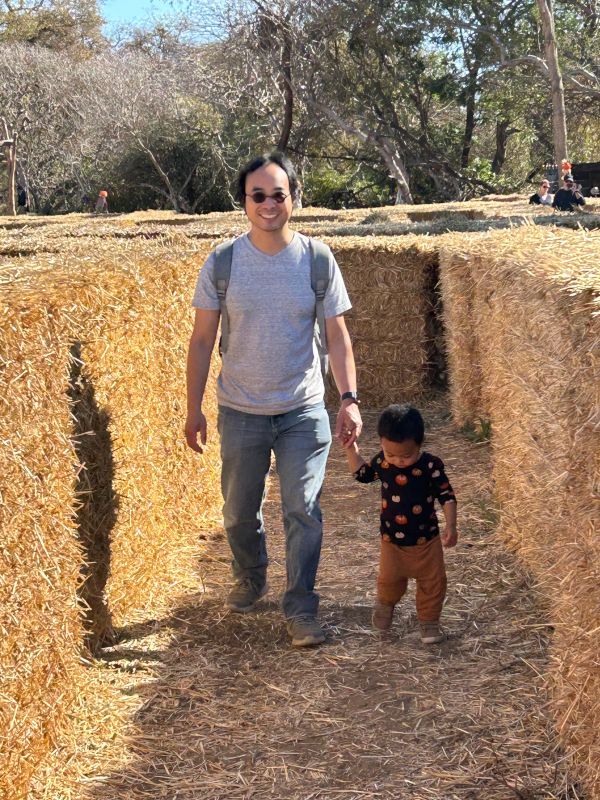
pixel 594 191
pixel 102 203
pixel 22 199
pixel 568 198
pixel 542 197
pixel 411 545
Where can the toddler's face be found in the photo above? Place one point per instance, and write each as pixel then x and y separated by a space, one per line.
pixel 400 454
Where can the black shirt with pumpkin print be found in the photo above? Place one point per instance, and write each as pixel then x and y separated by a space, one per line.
pixel 407 497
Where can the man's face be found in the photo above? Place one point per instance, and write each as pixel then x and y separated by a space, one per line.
pixel 268 215
pixel 568 184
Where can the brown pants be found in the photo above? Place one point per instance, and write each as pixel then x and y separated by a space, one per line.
pixel 425 562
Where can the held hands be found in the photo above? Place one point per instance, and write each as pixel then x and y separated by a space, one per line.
pixel 195 424
pixel 349 424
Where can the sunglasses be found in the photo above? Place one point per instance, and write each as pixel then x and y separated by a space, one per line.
pixel 260 197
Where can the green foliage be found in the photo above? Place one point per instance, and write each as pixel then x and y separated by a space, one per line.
pixel 328 187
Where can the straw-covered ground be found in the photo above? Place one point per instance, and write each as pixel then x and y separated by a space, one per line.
pixel 223 707
pixel 193 702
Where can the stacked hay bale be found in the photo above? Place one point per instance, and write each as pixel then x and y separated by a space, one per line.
pixel 96 479
pixel 525 305
pixel 389 285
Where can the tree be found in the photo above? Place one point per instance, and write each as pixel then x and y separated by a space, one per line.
pixel 70 26
pixel 9 144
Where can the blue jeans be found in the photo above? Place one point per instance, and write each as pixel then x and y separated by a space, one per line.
pixel 300 440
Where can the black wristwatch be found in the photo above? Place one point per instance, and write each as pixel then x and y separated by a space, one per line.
pixel 350 396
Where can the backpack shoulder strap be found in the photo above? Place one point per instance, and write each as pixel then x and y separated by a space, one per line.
pixel 320 266
pixel 222 272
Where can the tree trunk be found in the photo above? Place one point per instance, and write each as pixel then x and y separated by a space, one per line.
pixel 470 116
pixel 10 153
pixel 503 133
pixel 288 95
pixel 559 117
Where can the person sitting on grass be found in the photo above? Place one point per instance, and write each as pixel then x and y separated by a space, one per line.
pixel 542 197
pixel 411 545
pixel 568 198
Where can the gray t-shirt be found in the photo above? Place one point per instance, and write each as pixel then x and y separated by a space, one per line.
pixel 272 364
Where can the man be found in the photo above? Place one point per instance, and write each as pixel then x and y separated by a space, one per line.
pixel 270 391
pixel 567 198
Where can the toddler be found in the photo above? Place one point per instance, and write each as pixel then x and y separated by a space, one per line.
pixel 411 545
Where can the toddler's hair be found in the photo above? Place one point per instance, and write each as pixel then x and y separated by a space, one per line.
pixel 401 422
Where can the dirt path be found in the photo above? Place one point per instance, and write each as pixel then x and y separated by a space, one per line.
pixel 229 710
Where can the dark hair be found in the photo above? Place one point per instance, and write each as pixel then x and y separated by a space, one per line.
pixel 262 161
pixel 399 423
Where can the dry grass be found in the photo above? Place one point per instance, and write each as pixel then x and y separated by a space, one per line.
pixel 524 322
pixel 98 471
pixel 226 709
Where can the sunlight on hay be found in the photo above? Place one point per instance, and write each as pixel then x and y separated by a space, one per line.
pixel 101 503
pixel 527 310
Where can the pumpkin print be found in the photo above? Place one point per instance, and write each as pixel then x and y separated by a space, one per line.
pixel 430 465
pixel 396 498
pixel 401 480
pixel 417 473
pixel 401 519
pixel 385 465
pixel 433 528
pixel 386 538
pixel 385 485
pixel 445 486
pixel 421 540
pixel 384 504
pixel 430 499
pixel 435 473
pixel 417 509
pixel 399 535
pixel 421 527
pixel 388 524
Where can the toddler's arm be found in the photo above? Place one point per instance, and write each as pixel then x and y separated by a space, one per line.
pixel 450 534
pixel 355 460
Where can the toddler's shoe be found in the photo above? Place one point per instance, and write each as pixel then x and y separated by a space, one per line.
pixel 382 616
pixel 431 633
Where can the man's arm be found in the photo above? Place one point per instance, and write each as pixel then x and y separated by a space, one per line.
pixel 349 423
pixel 200 350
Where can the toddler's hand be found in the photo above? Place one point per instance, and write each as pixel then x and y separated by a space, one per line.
pixel 449 537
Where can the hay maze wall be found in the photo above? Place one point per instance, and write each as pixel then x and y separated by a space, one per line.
pixel 101 502
pixel 523 330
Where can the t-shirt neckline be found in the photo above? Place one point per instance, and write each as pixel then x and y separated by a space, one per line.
pixel 257 251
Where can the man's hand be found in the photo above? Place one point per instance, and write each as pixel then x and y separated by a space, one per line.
pixel 349 423
pixel 195 424
pixel 449 536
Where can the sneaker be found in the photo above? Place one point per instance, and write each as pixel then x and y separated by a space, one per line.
pixel 382 616
pixel 431 633
pixel 244 596
pixel 305 631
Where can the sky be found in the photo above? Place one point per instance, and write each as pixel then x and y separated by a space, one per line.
pixel 118 12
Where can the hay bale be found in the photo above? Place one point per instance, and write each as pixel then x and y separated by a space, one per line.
pixel 101 500
pixel 534 302
pixel 388 284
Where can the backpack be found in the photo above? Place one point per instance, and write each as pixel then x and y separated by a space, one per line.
pixel 319 281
